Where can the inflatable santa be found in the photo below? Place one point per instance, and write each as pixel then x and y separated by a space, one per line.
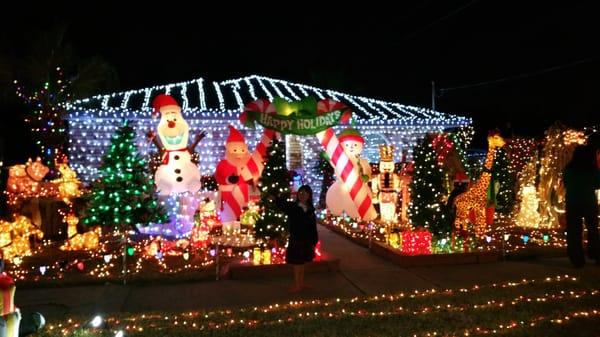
pixel 238 172
pixel 338 196
pixel 177 172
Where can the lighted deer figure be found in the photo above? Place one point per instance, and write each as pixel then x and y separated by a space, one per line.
pixel 475 197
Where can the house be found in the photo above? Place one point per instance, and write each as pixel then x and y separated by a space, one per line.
pixel 211 106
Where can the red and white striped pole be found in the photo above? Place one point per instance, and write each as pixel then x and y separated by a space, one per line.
pixel 345 169
pixel 348 174
pixel 256 163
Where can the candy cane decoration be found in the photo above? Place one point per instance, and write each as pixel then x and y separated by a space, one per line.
pixel 344 167
pixel 255 164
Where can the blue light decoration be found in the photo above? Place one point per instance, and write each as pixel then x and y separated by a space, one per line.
pixel 212 106
pixel 525 238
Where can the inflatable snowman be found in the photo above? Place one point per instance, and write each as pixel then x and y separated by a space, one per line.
pixel 177 173
pixel 338 196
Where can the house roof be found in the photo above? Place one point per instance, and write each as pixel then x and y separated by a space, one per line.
pixel 201 98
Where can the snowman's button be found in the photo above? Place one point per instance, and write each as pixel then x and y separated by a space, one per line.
pixel 179 179
pixel 176 157
pixel 177 171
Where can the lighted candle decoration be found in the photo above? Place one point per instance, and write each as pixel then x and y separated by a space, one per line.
pixel 266 256
pixel 256 256
pixel 394 240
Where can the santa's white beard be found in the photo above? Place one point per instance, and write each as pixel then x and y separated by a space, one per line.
pixel 237 162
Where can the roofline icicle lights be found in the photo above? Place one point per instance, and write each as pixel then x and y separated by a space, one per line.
pixel 253 87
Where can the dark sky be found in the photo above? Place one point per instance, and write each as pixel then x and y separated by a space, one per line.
pixel 542 53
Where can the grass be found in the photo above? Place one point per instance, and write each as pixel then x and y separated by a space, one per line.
pixel 552 307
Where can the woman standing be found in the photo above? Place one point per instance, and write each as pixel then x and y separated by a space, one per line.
pixel 302 224
pixel 582 179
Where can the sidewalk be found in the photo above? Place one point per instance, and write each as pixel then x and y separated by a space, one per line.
pixel 361 273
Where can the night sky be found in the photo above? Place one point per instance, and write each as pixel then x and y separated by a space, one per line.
pixel 517 65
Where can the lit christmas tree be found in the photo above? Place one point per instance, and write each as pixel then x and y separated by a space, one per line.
pixel 505 197
pixel 325 169
pixel 46 114
pixel 46 77
pixel 461 139
pixel 275 181
pixel 427 207
pixel 124 196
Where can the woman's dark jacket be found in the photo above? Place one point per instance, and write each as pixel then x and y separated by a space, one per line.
pixel 303 231
pixel 580 188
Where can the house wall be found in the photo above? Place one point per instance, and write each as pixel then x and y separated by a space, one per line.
pixel 89 137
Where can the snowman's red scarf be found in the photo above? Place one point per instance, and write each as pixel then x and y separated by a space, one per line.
pixel 167 155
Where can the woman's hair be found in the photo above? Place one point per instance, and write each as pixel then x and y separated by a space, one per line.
pixel 307 189
pixel 584 158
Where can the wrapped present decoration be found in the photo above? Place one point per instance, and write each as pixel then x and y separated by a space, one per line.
pixel 416 242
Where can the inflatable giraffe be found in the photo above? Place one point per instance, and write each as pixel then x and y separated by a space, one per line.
pixel 475 197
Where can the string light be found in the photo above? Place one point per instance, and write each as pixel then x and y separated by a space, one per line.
pixel 508 296
pixel 92 121
pixel 46 118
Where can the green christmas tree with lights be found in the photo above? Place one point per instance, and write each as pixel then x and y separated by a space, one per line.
pixel 427 207
pixel 505 193
pixel 324 168
pixel 274 182
pixel 124 197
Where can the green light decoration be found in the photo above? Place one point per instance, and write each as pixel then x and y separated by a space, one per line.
pixel 130 251
pixel 427 207
pixel 274 181
pixel 506 196
pixel 124 197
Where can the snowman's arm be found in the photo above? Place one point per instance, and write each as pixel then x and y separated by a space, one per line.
pixel 366 167
pixel 152 136
pixel 197 140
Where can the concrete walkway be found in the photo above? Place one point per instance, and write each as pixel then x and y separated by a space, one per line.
pixel 361 273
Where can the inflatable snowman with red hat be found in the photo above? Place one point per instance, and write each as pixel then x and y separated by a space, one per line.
pixel 177 172
pixel 338 198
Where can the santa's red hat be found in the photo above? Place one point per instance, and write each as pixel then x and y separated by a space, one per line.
pixel 235 135
pixel 160 101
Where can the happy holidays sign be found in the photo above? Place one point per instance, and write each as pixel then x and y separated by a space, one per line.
pixel 304 117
